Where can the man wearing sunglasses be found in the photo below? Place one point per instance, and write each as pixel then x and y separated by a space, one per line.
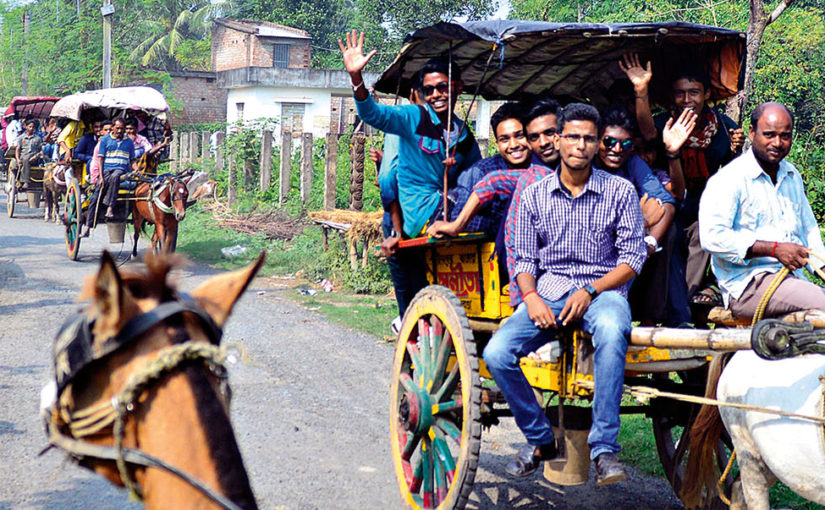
pixel 659 294
pixel 579 243
pixel 432 139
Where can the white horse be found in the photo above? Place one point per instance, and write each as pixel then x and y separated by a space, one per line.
pixel 768 446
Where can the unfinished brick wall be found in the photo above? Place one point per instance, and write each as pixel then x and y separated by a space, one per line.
pixel 203 100
pixel 233 49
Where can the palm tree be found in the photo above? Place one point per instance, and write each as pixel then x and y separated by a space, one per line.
pixel 174 22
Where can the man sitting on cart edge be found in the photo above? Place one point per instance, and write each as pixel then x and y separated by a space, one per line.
pixel 27 151
pixel 422 150
pixel 754 218
pixel 579 243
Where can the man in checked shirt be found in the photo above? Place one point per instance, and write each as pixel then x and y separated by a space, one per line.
pixel 579 242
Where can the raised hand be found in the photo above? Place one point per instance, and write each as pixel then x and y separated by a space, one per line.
pixel 677 131
pixel 639 76
pixel 353 53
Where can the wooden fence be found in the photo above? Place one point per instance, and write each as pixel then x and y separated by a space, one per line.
pixel 197 147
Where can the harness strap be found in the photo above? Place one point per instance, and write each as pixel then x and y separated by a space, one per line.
pixel 82 449
pixel 157 201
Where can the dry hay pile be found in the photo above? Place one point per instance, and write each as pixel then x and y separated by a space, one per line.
pixel 272 223
pixel 360 226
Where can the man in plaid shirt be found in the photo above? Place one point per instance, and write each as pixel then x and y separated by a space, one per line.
pixel 540 123
pixel 579 243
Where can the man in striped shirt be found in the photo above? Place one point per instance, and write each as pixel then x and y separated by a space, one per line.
pixel 579 243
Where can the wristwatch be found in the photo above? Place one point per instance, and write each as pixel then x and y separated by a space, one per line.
pixel 591 290
pixel 652 242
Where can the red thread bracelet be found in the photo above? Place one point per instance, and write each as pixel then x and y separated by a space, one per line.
pixel 773 251
pixel 528 293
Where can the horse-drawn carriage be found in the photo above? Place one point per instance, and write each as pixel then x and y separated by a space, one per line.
pixel 442 394
pixel 23 107
pixel 165 193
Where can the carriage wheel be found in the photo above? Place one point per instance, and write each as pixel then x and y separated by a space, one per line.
pixel 11 197
pixel 672 421
pixel 435 403
pixel 73 214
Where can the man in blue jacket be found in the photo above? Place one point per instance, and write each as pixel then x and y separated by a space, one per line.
pixel 431 137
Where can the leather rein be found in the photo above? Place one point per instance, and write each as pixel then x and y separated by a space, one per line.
pixel 74 352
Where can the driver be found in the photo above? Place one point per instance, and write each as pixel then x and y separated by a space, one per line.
pixel 27 151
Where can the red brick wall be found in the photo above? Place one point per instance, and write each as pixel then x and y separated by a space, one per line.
pixel 230 50
pixel 202 100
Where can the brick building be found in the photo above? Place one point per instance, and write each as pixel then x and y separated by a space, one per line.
pixel 200 97
pixel 241 43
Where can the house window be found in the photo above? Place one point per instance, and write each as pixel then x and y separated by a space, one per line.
pixel 292 117
pixel 239 111
pixel 280 55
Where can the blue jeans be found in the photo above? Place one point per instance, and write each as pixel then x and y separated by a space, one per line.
pixel 607 320
pixel 407 269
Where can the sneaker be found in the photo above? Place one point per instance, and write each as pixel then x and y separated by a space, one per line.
pixel 609 469
pixel 529 458
pixel 396 325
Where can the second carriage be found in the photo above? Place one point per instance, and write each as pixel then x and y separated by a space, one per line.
pixel 150 108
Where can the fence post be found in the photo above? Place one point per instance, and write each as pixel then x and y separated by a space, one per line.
pixel 219 159
pixel 193 146
pixel 286 166
pixel 173 153
pixel 266 159
pixel 231 192
pixel 356 187
pixel 205 147
pixel 330 171
pixel 306 167
pixel 184 149
pixel 483 146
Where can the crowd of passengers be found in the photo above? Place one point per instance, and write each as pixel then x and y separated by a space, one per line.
pixel 107 150
pixel 599 217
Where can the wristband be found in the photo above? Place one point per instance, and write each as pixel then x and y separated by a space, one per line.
pixel 524 296
pixel 773 251
pixel 356 87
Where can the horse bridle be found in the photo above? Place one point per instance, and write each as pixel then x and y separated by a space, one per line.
pixel 168 209
pixel 74 351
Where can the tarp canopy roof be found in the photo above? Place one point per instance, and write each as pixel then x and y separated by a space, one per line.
pixel 112 102
pixel 31 106
pixel 511 59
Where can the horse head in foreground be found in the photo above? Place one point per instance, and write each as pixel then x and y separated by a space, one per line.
pixel 769 447
pixel 140 393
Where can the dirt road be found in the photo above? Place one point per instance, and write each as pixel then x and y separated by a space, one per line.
pixel 309 408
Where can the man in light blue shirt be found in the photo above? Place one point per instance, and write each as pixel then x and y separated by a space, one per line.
pixel 754 218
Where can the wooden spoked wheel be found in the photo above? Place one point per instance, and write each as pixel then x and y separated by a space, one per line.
pixel 435 403
pixel 73 220
pixel 672 421
pixel 11 197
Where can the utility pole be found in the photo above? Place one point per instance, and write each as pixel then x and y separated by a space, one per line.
pixel 107 11
pixel 25 78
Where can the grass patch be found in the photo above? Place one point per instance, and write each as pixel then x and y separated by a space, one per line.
pixel 370 314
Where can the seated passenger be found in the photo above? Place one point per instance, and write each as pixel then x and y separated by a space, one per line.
pixel 579 243
pixel 86 146
pixel 27 151
pixel 422 150
pixel 715 140
pixel 754 218
pixel 658 294
pixel 142 144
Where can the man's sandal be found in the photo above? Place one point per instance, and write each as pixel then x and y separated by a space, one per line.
pixel 708 296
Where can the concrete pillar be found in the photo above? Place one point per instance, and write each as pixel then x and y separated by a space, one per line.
pixel 219 157
pixel 184 150
pixel 330 171
pixel 205 148
pixel 194 138
pixel 266 160
pixel 173 153
pixel 286 166
pixel 306 167
pixel 483 119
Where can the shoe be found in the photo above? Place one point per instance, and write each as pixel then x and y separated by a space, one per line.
pixel 528 459
pixel 396 325
pixel 609 469
pixel 86 231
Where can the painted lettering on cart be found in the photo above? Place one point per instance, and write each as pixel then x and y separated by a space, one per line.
pixel 462 283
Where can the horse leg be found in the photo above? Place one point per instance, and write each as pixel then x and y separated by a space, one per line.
pixel 47 197
pixel 137 224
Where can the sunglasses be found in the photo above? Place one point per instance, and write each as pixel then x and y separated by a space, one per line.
pixel 441 87
pixel 611 142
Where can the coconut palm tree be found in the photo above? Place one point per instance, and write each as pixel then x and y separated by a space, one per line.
pixel 174 22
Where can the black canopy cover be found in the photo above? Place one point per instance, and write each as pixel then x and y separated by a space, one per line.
pixel 569 61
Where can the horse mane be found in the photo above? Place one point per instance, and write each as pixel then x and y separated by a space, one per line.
pixel 701 471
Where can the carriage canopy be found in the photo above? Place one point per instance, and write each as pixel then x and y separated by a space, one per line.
pixel 510 59
pixel 112 102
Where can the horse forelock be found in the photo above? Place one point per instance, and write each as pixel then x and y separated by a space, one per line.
pixel 152 280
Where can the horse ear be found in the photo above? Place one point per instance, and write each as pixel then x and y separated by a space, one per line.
pixel 108 290
pixel 218 295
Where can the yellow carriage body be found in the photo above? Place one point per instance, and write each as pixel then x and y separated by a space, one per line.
pixel 469 267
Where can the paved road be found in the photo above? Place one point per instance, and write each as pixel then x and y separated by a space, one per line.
pixel 309 408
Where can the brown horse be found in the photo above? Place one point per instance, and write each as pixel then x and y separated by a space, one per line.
pixel 163 204
pixel 54 187
pixel 178 417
